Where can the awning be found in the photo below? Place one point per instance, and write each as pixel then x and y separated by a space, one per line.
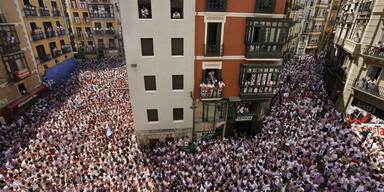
pixel 27 97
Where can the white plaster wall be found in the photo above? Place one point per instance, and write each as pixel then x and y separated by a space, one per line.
pixel 161 28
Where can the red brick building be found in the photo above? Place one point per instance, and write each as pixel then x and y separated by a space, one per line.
pixel 240 45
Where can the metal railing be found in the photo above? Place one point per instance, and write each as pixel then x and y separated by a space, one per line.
pixel 44 12
pixel 100 45
pixel 88 34
pixel 60 32
pixel 264 50
pixel 212 50
pixel 374 51
pixel 2 18
pixel 30 11
pixel 44 58
pixel 208 93
pixel 86 20
pixel 50 34
pixel 110 31
pixel 98 32
pixel 56 13
pixel 9 47
pixel 37 36
pixel 77 20
pixel 56 53
pixel 66 49
pixel 80 35
pixel 216 5
pixel 369 87
pixel 83 5
pixel 102 15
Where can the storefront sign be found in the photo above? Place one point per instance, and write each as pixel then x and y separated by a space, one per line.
pixel 375 129
pixel 22 73
pixel 244 118
pixel 212 65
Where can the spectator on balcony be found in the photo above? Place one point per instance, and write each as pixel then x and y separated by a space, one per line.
pixel 144 12
pixel 221 86
pixel 11 39
pixel 203 89
pixel 176 15
pixel 378 48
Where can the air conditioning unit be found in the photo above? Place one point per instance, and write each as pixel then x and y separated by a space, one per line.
pixel 133 65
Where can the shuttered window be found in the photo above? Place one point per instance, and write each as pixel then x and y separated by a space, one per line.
pixel 178 114
pixel 150 83
pixel 152 115
pixel 147 47
pixel 177 82
pixel 177 46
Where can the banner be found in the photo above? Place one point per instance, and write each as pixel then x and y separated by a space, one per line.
pixel 374 129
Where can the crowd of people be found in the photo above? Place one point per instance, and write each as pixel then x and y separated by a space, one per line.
pixel 61 143
pixel 211 87
pixel 82 140
pixel 305 145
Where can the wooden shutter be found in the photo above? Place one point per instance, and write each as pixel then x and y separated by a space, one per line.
pixel 147 47
pixel 150 83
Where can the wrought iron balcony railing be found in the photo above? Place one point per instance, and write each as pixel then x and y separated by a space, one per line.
pixel 50 34
pixel 98 32
pixel 9 41
pixel 56 13
pixel 369 87
pixel 211 93
pixel 60 32
pixel 110 31
pixel 86 20
pixel 80 35
pixel 30 11
pixel 66 49
pixel 44 12
pixel 44 58
pixel 216 5
pixel 56 53
pixel 212 50
pixel 2 18
pixel 37 36
pixel 374 51
pixel 77 20
pixel 102 15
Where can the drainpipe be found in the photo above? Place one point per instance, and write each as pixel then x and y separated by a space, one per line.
pixel 193 107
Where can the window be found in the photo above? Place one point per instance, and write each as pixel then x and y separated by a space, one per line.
pixel 145 11
pixel 177 9
pixel 266 38
pixel 258 79
pixel 213 46
pixel 76 17
pixel 22 88
pixel 265 6
pixel 177 82
pixel 147 47
pixel 214 112
pixel 112 43
pixel 177 46
pixel 178 114
pixel 16 66
pixel 150 83
pixel 152 115
pixel 216 5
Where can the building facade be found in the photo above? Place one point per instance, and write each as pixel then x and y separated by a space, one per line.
pixel 313 24
pixel 159 52
pixel 295 12
pixel 20 81
pixel 355 58
pixel 95 27
pixel 47 32
pixel 238 58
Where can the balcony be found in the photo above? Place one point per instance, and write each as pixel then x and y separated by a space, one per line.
pixel 30 11
pixel 9 41
pixel 87 49
pixel 211 50
pixel 375 52
pixel 77 20
pixel 102 15
pixel 66 49
pixel 83 5
pixel 44 58
pixel 56 13
pixel 44 12
pixel 264 50
pixel 37 36
pixel 298 6
pixel 56 53
pixel 60 32
pixel 80 35
pixel 258 81
pixel 369 87
pixel 100 45
pixel 216 5
pixel 366 7
pixel 352 47
pixel 211 93
pixel 110 31
pixel 100 1
pixel 98 32
pixel 50 34
pixel 86 20
pixel 88 34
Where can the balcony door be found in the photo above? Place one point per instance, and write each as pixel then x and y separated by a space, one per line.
pixel 40 51
pixel 214 34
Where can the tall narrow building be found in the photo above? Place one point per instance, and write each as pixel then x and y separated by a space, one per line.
pixel 238 58
pixel 159 51
pixel 20 82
